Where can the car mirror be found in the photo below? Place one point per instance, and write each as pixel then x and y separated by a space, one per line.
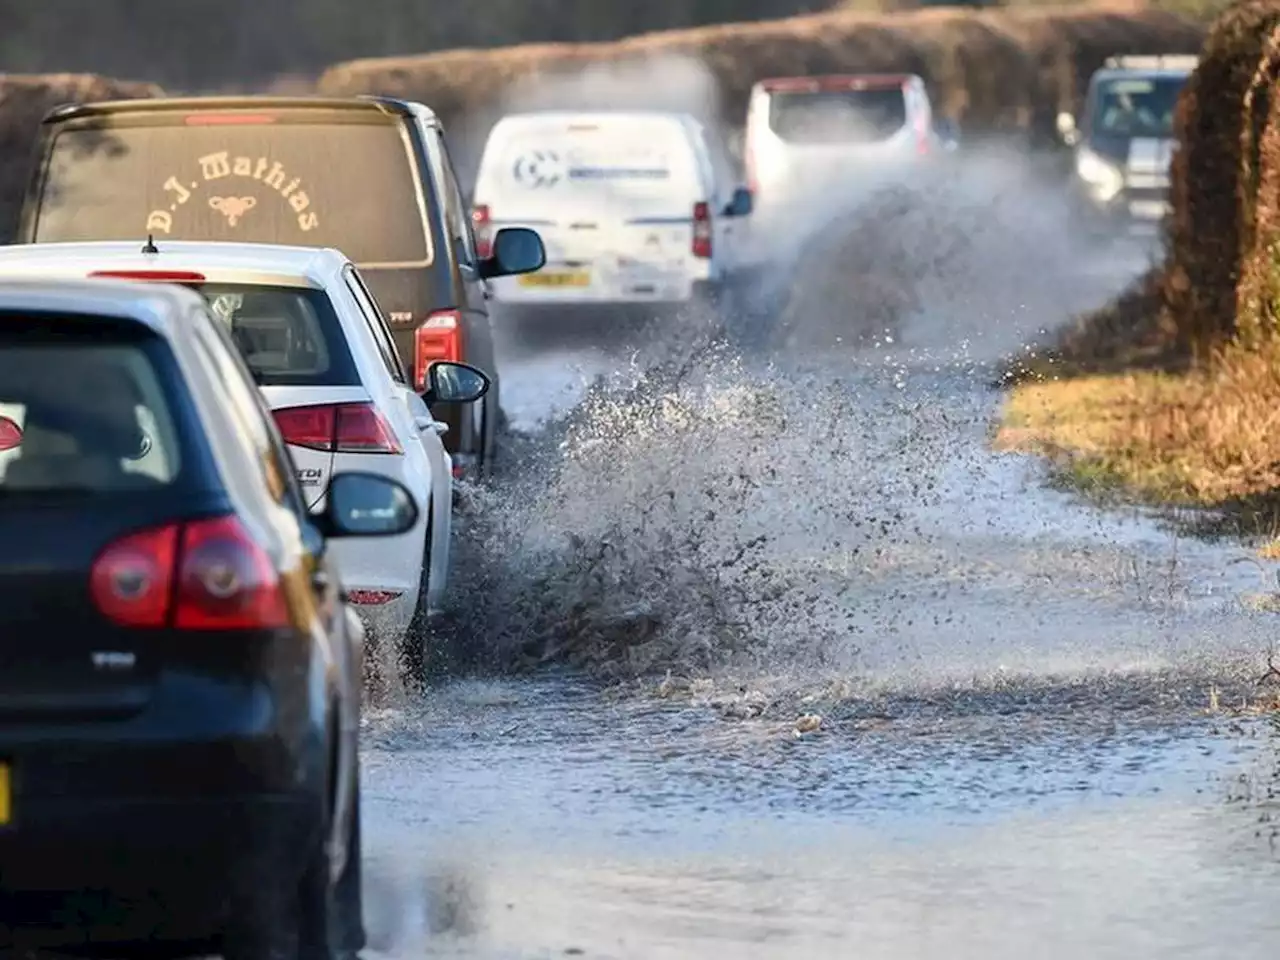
pixel 366 505
pixel 741 204
pixel 515 250
pixel 449 382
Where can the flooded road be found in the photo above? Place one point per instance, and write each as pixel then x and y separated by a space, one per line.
pixel 967 716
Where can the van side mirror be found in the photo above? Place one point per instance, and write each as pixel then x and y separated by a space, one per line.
pixel 741 205
pixel 515 250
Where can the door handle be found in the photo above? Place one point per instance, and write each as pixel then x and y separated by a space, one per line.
pixel 430 423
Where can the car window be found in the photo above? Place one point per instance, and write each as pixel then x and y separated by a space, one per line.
pixel 453 190
pixel 80 414
pixel 376 322
pixel 241 400
pixel 313 176
pixel 455 215
pixel 837 116
pixel 288 336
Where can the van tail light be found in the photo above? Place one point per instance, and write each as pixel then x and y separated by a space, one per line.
pixel 200 575
pixel 338 428
pixel 480 226
pixel 923 145
pixel 10 435
pixel 701 231
pixel 439 338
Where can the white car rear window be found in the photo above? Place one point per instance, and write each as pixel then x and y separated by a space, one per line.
pixel 837 116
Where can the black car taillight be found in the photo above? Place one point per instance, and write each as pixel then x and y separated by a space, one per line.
pixel 198 575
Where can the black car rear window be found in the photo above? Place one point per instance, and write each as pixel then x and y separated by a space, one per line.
pixel 837 116
pixel 344 179
pixel 84 411
pixel 288 336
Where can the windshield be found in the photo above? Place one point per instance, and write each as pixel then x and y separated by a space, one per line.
pixel 837 116
pixel 636 164
pixel 348 185
pixel 1139 107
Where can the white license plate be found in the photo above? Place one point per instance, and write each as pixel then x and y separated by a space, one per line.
pixel 1148 209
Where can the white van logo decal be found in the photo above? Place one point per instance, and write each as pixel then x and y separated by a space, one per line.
pixel 538 168
pixel 233 208
pixel 221 165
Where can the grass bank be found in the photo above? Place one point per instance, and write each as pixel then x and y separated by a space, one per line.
pixel 1207 436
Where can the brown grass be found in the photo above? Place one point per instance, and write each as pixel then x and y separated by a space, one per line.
pixel 1207 437
pixel 998 70
pixel 24 99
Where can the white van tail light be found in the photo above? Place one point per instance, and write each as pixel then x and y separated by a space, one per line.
pixel 702 231
pixel 922 133
pixel 480 224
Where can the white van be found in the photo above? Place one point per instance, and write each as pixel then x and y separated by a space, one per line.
pixel 633 207
pixel 805 135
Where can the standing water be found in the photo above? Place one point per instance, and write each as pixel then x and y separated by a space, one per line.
pixel 775 659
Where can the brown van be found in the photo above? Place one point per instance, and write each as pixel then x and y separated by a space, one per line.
pixel 370 176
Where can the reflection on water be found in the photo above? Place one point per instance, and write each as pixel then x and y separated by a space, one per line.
pixel 519 830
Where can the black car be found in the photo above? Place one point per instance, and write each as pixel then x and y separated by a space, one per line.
pixel 371 177
pixel 180 674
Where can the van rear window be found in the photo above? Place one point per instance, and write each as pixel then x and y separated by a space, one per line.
pixel 837 116
pixel 304 180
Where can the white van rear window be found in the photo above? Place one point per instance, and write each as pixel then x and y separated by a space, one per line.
pixel 625 161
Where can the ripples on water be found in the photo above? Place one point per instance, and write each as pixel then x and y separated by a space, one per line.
pixel 1027 706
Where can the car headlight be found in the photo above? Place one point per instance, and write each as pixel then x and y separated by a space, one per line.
pixel 1103 177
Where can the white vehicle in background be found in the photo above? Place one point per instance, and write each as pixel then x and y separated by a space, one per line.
pixel 808 136
pixel 320 351
pixel 633 207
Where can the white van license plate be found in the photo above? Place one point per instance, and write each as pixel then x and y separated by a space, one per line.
pixel 1147 209
pixel 578 278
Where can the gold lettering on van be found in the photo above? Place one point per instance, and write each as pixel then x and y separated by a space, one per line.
pixel 221 166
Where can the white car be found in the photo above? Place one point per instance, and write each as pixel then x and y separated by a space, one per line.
pixel 633 207
pixel 320 351
pixel 813 138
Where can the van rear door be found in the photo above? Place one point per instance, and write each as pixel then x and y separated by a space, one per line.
pixel 612 196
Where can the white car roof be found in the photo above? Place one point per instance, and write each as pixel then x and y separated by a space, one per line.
pixel 159 307
pixel 253 263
